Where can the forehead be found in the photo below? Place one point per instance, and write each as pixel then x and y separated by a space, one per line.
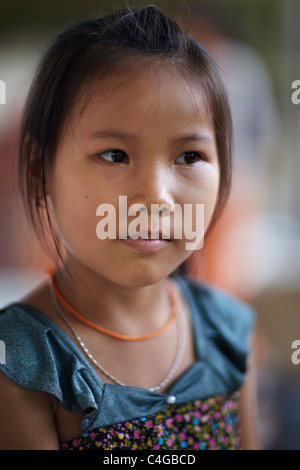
pixel 137 100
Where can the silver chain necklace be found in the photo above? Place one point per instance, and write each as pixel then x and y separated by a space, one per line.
pixel 166 379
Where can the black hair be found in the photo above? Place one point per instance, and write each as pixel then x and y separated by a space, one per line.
pixel 95 48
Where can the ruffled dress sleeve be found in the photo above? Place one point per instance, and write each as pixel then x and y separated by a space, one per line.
pixel 40 356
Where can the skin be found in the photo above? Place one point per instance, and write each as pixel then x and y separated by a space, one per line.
pixel 155 120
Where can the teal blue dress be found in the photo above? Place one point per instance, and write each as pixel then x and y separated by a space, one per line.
pixel 199 409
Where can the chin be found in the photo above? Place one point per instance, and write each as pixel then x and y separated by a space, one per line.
pixel 144 277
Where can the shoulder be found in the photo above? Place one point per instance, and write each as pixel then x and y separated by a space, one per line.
pixel 27 335
pixel 40 356
pixel 223 322
pixel 24 331
pixel 217 306
pixel 18 317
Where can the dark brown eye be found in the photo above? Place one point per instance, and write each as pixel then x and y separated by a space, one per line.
pixel 189 158
pixel 114 156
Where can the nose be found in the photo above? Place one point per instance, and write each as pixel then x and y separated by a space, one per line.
pixel 152 184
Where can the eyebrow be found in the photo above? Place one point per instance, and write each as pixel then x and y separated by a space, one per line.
pixel 110 133
pixel 195 138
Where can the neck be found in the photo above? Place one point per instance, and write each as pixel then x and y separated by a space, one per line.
pixel 125 310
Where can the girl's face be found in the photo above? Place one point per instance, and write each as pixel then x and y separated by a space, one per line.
pixel 151 139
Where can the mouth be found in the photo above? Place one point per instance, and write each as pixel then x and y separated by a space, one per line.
pixel 147 242
pixel 153 236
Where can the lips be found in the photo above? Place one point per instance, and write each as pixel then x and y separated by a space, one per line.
pixel 146 244
pixel 151 235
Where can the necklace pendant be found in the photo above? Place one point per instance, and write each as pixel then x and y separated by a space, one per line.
pixel 171 399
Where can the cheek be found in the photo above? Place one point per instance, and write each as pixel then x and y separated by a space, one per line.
pixel 211 190
pixel 204 190
pixel 73 210
pixel 73 223
pixel 74 201
pixel 211 199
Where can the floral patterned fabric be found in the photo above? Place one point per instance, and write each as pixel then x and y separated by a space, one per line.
pixel 210 423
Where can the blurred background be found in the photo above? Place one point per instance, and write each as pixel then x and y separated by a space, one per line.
pixel 254 250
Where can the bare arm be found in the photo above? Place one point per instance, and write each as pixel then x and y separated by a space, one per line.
pixel 248 408
pixel 27 420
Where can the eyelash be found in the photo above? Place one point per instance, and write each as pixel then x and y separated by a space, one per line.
pixel 116 152
pixel 120 154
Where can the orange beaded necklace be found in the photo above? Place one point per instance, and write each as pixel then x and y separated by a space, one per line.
pixel 174 313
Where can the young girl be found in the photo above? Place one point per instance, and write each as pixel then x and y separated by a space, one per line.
pixel 120 349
